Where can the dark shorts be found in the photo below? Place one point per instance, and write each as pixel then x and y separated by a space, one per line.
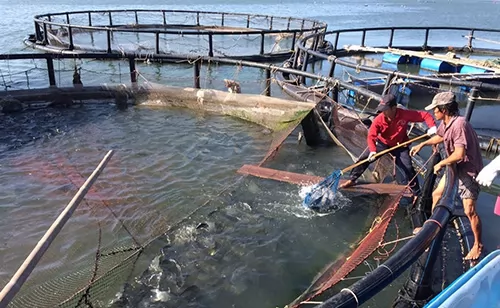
pixel 468 187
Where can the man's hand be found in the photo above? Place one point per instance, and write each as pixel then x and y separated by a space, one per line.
pixel 414 150
pixel 431 131
pixel 371 157
pixel 438 167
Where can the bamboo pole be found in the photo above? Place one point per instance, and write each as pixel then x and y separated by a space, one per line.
pixel 22 274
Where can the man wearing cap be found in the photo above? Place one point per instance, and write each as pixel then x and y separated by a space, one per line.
pixel 462 147
pixel 388 129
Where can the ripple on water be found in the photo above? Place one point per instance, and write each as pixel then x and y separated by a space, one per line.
pixel 254 238
pixel 154 177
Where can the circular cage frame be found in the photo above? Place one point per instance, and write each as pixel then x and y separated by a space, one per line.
pixel 53 35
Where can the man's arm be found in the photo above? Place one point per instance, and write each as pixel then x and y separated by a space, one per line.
pixel 455 157
pixel 436 139
pixel 420 116
pixel 459 143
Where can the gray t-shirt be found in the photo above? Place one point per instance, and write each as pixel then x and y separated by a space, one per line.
pixel 460 132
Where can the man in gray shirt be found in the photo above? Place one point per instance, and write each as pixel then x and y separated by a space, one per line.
pixel 462 147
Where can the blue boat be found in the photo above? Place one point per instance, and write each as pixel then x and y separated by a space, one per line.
pixel 479 287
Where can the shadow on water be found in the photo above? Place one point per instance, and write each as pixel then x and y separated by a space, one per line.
pixel 37 126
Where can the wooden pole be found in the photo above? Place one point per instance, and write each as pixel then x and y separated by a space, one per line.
pixel 384 152
pixel 197 65
pixel 17 281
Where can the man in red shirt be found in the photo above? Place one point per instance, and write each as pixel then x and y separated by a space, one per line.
pixel 388 129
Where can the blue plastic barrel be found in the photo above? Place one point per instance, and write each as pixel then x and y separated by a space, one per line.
pixel 394 58
pixel 414 60
pixel 473 70
pixel 438 66
pixel 389 66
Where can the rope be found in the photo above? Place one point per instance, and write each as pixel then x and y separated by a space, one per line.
pixel 489 99
pixel 85 201
pixel 381 217
pixel 353 295
pixel 494 142
pixel 398 240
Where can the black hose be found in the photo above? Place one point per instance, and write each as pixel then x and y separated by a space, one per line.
pixel 382 276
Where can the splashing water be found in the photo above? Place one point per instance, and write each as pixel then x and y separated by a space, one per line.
pixel 321 193
pixel 322 199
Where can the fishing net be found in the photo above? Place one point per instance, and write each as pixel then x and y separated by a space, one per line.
pixel 336 271
pixel 69 275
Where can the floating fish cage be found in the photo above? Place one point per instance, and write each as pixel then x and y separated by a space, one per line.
pixel 194 36
pixel 171 32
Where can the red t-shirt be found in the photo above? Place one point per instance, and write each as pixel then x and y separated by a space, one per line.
pixel 392 132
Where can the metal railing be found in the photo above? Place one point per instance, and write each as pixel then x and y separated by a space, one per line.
pixel 302 51
pixel 293 27
pixel 194 61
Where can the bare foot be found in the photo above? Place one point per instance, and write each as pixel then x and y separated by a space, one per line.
pixel 475 252
pixel 416 230
pixel 347 184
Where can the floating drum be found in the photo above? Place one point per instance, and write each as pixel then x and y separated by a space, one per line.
pixel 389 66
pixel 394 58
pixel 473 70
pixel 439 66
pixel 414 60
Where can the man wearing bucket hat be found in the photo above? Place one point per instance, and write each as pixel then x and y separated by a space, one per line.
pixel 462 147
pixel 389 128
